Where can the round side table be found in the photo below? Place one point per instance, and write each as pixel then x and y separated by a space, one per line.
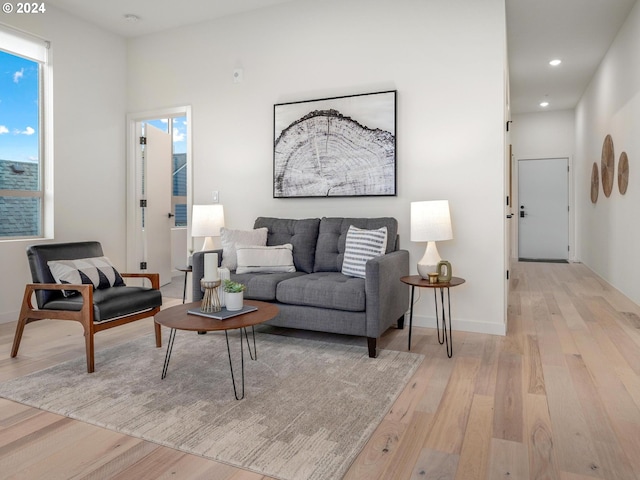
pixel 418 281
pixel 186 269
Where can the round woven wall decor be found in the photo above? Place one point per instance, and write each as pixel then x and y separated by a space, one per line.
pixel 595 183
pixel 623 173
pixel 607 164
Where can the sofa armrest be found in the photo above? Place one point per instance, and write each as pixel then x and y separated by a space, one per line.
pixel 387 298
pixel 197 263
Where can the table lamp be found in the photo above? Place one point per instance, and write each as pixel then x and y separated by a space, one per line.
pixel 430 222
pixel 206 221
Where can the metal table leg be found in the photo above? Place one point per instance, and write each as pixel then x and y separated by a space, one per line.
pixel 411 316
pixel 445 337
pixel 253 356
pixel 167 357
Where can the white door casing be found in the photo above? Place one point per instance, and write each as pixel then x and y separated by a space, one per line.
pixel 543 209
pixel 136 247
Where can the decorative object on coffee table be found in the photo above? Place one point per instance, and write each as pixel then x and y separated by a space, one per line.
pixel 234 295
pixel 623 173
pixel 595 182
pixel 210 301
pixel 430 222
pixel 607 164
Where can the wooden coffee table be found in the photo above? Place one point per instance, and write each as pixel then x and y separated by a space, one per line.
pixel 177 318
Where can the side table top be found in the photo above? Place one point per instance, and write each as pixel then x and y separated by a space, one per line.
pixel 184 268
pixel 418 281
pixel 178 318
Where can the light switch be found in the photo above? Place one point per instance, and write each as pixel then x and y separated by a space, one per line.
pixel 216 197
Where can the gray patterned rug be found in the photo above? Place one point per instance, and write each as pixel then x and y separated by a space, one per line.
pixel 310 406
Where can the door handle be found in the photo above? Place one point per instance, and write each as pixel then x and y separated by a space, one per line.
pixel 510 216
pixel 169 215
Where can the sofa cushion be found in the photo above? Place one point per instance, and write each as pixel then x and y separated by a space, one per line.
pixel 113 302
pixel 301 233
pixel 231 238
pixel 332 239
pixel 268 259
pixel 325 289
pixel 262 286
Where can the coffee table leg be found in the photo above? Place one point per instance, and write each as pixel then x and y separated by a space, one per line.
pixel 254 355
pixel 167 357
pixel 233 380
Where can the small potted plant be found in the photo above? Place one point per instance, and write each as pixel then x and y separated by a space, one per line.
pixel 233 294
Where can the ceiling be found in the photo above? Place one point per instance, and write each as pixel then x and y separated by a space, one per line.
pixel 577 31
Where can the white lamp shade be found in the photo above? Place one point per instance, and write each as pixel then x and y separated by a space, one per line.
pixel 430 221
pixel 206 220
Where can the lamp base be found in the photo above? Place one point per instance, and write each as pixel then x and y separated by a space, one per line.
pixel 429 262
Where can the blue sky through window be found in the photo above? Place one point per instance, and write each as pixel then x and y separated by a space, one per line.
pixel 19 136
pixel 179 132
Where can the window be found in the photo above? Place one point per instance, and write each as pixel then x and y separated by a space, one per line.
pixel 23 73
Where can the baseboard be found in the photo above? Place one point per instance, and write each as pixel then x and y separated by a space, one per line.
pixel 472 326
pixel 9 316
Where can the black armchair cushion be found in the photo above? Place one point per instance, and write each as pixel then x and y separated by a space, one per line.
pixel 112 302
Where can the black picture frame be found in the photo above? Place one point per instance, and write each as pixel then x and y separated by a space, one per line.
pixel 336 147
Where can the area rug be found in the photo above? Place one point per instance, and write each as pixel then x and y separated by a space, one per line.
pixel 309 407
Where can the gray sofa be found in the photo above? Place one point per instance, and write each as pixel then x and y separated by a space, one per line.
pixel 317 296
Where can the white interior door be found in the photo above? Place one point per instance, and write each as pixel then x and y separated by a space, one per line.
pixel 543 209
pixel 157 186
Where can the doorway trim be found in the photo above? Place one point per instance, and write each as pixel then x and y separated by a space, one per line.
pixel 132 194
pixel 571 193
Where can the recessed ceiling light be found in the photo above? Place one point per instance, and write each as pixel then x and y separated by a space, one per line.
pixel 544 104
pixel 130 17
pixel 555 62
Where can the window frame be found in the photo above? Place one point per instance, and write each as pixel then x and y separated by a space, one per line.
pixel 44 193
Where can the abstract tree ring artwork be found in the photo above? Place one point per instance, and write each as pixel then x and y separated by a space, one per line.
pixel 623 173
pixel 607 164
pixel 335 147
pixel 595 182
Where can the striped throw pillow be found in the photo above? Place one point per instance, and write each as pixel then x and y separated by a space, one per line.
pixel 361 246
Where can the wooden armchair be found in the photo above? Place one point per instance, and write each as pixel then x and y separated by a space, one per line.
pixel 95 309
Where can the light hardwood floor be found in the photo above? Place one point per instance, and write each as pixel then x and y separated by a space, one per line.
pixel 557 398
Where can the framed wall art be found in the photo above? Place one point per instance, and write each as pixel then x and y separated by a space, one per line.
pixel 335 147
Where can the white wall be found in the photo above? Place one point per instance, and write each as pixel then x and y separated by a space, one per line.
pixel 609 232
pixel 543 135
pixel 89 81
pixel 446 59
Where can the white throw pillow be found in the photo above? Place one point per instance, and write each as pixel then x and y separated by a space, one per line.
pixel 231 238
pixel 361 246
pixel 274 259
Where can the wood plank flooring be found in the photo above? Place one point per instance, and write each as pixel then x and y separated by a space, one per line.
pixel 557 398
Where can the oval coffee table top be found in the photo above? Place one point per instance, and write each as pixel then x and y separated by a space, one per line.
pixel 178 318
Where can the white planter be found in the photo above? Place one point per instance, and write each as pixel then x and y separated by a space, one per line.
pixel 234 301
